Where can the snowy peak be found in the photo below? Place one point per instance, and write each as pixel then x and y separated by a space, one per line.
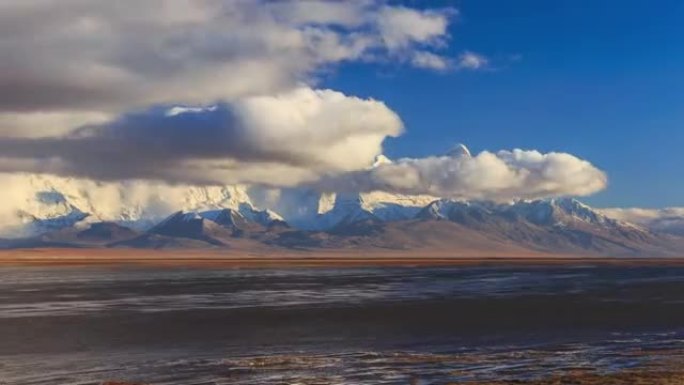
pixel 458 211
pixel 67 217
pixel 54 202
pixel 347 208
pixel 439 209
pixel 239 224
pixel 216 226
pixel 560 211
pixel 183 224
pixel 372 219
pixel 375 206
pixel 228 218
pixel 668 220
pixel 263 217
pixel 544 212
pixel 560 224
pixel 57 210
pixel 266 218
pixel 459 151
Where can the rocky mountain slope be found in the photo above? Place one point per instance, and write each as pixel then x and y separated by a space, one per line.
pixel 51 203
pixel 53 211
pixel 669 220
pixel 549 226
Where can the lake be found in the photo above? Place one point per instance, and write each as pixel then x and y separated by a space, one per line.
pixel 85 325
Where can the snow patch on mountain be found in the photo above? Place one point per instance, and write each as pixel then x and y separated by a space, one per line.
pixel 33 204
pixel 559 212
pixel 459 209
pixel 459 150
pixel 348 208
pixel 39 203
pixel 668 220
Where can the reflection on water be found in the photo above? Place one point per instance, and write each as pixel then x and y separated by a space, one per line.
pixel 344 368
pixel 348 367
pixel 327 326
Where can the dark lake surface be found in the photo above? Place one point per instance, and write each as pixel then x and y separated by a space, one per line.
pixel 334 326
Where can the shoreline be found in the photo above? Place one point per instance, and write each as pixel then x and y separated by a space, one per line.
pixel 631 377
pixel 295 259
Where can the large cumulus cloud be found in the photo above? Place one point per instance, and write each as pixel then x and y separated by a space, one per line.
pixel 284 139
pixel 68 62
pixel 503 175
pixel 232 85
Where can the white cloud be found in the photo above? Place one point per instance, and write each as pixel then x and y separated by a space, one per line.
pixel 285 139
pixel 39 123
pixel 430 60
pixel 504 175
pixel 142 203
pixel 401 27
pixel 77 59
pixel 667 220
pixel 223 92
pixel 472 61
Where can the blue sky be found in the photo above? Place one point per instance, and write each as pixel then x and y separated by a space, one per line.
pixel 603 80
pixel 280 94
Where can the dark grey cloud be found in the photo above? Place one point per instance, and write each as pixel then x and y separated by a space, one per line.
pixel 88 64
pixel 80 58
pixel 303 132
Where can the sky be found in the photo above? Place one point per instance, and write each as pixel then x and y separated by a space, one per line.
pixel 602 80
pixel 561 98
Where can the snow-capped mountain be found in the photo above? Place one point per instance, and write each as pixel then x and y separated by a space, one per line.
pixel 547 212
pixel 191 225
pixel 48 203
pixel 549 224
pixel 669 220
pixel 33 203
pixel 163 215
pixel 365 220
pixel 246 215
pixel 452 209
pixel 350 208
pixel 555 212
pixel 560 212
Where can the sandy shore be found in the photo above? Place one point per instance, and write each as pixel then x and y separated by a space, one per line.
pixel 325 258
pixel 623 378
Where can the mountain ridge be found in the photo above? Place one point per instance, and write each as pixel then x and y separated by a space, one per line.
pixel 558 225
pixel 63 212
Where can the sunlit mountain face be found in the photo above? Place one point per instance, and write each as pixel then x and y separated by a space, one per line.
pixel 72 212
pixel 250 216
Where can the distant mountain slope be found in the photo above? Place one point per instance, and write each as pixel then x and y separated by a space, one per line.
pixel 193 226
pixel 62 215
pixel 668 220
pixel 549 225
pixel 51 203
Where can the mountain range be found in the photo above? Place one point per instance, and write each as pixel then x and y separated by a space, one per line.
pixel 256 218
